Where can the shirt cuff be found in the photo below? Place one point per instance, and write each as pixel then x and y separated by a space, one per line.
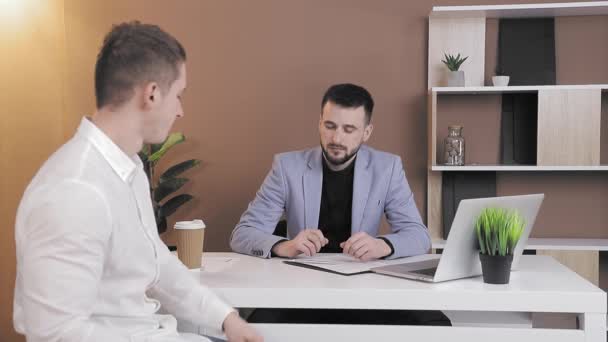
pixel 388 242
pixel 217 313
pixel 272 254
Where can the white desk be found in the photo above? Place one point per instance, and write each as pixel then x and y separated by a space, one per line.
pixel 541 285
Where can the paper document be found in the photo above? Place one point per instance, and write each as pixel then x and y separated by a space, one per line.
pixel 341 263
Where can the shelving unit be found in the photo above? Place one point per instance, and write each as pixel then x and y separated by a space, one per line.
pixel 523 10
pixel 575 109
pixel 561 244
pixel 514 89
pixel 569 116
pixel 506 168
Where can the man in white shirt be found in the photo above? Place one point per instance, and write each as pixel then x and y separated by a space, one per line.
pixel 90 263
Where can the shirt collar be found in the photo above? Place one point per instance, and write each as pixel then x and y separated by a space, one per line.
pixel 123 165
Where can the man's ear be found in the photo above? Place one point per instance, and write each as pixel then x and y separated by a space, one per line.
pixel 367 132
pixel 150 95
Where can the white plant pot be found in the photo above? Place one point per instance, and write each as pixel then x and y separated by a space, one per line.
pixel 456 78
pixel 500 81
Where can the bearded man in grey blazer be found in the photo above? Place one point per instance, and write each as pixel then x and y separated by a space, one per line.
pixel 333 196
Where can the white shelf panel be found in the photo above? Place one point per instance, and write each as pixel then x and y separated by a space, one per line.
pixel 514 89
pixel 568 244
pixel 523 10
pixel 554 244
pixel 518 168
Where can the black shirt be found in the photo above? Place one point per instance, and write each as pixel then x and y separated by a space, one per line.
pixel 336 206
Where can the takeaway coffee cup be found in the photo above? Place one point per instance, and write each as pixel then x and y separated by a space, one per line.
pixel 190 236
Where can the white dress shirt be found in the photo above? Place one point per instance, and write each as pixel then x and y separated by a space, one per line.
pixel 90 263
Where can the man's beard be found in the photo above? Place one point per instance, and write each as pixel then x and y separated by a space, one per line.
pixel 338 161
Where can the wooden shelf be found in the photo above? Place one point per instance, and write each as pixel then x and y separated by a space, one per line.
pixel 522 10
pixel 554 244
pixel 518 168
pixel 577 109
pixel 514 89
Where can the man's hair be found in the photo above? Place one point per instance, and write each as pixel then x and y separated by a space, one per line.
pixel 132 54
pixel 350 96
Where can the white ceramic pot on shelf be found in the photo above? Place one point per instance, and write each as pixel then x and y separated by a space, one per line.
pixel 500 81
pixel 456 78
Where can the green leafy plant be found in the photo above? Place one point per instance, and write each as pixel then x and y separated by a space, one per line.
pixel 453 62
pixel 498 231
pixel 168 182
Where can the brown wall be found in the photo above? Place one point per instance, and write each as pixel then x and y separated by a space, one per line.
pixel 256 74
pixel 31 123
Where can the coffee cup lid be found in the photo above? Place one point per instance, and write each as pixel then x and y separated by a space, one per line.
pixel 194 224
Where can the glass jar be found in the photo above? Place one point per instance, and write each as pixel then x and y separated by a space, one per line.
pixel 453 146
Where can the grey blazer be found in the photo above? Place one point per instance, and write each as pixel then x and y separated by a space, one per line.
pixel 293 188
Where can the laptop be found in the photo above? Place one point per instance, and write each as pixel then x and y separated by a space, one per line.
pixel 460 257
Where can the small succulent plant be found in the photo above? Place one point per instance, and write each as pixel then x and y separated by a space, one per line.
pixel 453 62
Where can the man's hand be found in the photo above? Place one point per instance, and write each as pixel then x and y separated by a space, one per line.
pixel 237 330
pixel 364 247
pixel 308 241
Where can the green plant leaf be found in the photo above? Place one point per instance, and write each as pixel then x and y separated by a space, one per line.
pixel 161 224
pixel 498 231
pixel 143 156
pixel 172 140
pixel 155 147
pixel 453 62
pixel 178 169
pixel 480 239
pixel 168 182
pixel 167 187
pixel 174 203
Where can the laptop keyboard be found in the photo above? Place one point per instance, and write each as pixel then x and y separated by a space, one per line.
pixel 427 271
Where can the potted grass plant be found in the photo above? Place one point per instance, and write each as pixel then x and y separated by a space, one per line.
pixel 455 76
pixel 498 231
